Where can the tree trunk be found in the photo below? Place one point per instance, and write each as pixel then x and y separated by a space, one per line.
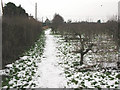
pixel 81 61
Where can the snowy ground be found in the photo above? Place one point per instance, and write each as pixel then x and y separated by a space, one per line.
pixel 80 78
pixel 38 68
pixel 50 64
pixel 51 74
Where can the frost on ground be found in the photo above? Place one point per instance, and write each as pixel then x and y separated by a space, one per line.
pixel 51 75
pixel 38 68
pixel 90 74
pixel 22 73
pixel 50 64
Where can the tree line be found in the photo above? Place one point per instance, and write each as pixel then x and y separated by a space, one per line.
pixel 87 32
pixel 19 32
pixel 110 27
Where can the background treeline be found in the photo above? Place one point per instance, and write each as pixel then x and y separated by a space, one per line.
pixel 111 27
pixel 19 32
pixel 103 37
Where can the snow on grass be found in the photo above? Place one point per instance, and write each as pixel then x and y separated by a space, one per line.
pixel 22 73
pixel 51 75
pixel 51 64
pixel 82 78
pixel 38 68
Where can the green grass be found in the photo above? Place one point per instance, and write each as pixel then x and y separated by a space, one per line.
pixel 22 65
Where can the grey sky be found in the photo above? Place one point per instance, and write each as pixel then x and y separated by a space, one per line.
pixel 76 10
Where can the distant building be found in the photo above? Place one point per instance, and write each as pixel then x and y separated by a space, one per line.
pixel 99 21
pixel 47 21
pixel 30 17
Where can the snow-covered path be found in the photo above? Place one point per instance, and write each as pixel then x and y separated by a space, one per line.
pixel 51 74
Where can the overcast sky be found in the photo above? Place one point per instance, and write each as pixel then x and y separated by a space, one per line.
pixel 76 10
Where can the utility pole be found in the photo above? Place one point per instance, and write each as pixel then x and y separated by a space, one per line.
pixel 36 11
pixel 2 6
pixel 42 19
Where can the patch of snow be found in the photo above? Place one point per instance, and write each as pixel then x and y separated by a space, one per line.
pixel 9 66
pixel 24 57
pixel 48 31
pixel 51 75
pixel 107 64
pixel 2 72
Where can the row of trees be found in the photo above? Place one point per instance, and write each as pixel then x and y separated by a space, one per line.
pixel 86 32
pixel 11 10
pixel 19 32
pixel 111 27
